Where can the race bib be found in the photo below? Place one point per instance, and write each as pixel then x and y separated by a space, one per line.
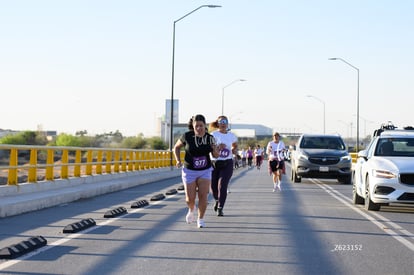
pixel 224 153
pixel 200 162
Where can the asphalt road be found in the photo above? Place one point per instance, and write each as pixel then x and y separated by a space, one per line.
pixel 307 228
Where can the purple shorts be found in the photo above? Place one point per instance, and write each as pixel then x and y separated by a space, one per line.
pixel 190 176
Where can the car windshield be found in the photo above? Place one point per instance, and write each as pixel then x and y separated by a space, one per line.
pixel 333 143
pixel 396 147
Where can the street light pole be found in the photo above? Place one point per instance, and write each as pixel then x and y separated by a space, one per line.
pixel 357 124
pixel 172 78
pixel 324 117
pixel 222 93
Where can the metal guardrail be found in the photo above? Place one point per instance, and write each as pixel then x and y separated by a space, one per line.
pixel 63 162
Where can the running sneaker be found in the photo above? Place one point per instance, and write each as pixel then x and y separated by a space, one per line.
pixel 215 206
pixel 220 212
pixel 274 187
pixel 189 218
pixel 201 223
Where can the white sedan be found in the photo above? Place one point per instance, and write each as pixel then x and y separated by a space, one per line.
pixel 384 172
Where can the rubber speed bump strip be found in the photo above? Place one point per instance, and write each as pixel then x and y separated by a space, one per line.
pixel 171 192
pixel 139 204
pixel 78 226
pixel 158 197
pixel 115 212
pixel 17 250
pixel 180 188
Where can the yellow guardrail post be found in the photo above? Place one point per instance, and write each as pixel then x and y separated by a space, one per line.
pixel 89 159
pixel 116 162
pixel 32 177
pixel 144 160
pixel 64 170
pixel 138 158
pixel 108 166
pixel 12 176
pixel 131 161
pixel 49 164
pixel 78 161
pixel 124 161
pixel 99 162
pixel 153 163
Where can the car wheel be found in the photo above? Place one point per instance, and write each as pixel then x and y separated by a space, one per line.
pixel 356 199
pixel 296 178
pixel 369 205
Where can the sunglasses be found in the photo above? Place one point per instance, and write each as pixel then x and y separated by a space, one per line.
pixel 222 121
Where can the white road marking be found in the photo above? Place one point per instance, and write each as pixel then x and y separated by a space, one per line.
pixel 383 223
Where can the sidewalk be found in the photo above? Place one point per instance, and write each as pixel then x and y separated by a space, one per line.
pixel 22 198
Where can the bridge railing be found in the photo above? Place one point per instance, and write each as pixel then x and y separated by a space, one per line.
pixel 34 163
pixel 354 157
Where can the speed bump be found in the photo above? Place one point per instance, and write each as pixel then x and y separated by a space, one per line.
pixel 139 204
pixel 78 226
pixel 158 197
pixel 171 192
pixel 115 212
pixel 17 250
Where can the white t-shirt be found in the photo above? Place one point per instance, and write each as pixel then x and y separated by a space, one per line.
pixel 228 139
pixel 258 152
pixel 275 150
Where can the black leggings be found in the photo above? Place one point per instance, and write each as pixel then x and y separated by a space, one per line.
pixel 220 179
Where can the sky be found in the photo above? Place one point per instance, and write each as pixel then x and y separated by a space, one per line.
pixel 106 65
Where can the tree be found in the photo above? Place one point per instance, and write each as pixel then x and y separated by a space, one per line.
pixel 24 138
pixel 67 140
pixel 157 143
pixel 134 142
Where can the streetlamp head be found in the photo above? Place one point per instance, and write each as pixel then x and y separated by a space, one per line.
pixel 333 58
pixel 213 6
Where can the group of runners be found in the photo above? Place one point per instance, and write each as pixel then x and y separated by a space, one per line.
pixel 208 164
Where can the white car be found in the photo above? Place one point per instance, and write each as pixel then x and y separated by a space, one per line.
pixel 384 172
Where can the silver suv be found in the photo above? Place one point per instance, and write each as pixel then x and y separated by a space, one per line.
pixel 321 156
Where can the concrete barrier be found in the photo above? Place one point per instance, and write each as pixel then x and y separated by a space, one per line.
pixel 22 198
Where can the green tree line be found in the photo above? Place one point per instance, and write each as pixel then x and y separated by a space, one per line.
pixel 82 139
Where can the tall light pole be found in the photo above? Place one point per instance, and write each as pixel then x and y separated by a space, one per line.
pixel 357 119
pixel 222 93
pixel 323 102
pixel 172 78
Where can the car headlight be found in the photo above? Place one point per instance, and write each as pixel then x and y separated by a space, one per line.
pixel 347 157
pixel 383 174
pixel 303 156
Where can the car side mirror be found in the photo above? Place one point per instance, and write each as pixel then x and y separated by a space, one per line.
pixel 363 154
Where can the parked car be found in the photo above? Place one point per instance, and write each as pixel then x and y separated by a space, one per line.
pixel 384 172
pixel 321 156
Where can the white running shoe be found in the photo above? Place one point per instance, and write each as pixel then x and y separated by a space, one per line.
pixel 274 186
pixel 201 223
pixel 189 218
